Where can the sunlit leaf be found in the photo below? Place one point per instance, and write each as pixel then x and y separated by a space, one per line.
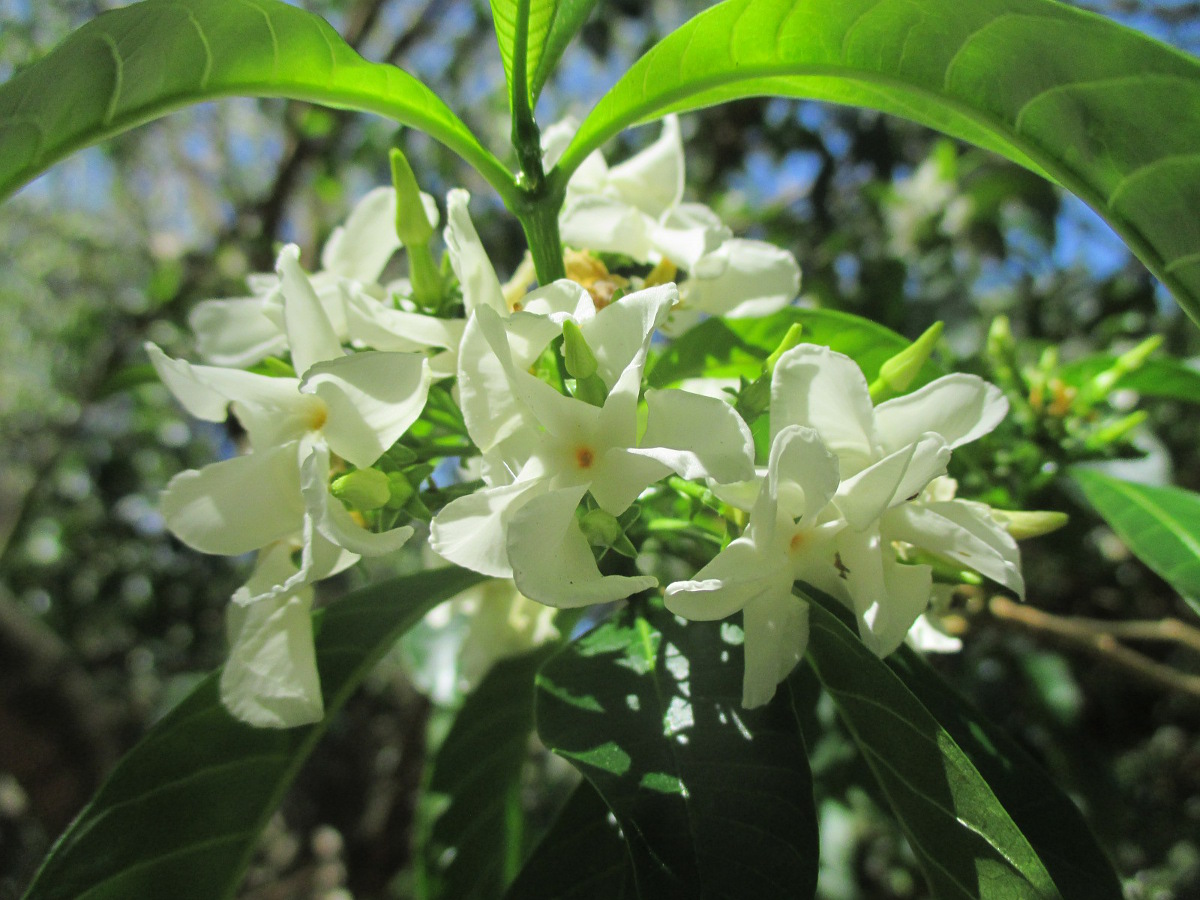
pixel 569 16
pixel 1108 113
pixel 137 63
pixel 729 348
pixel 1048 818
pixel 964 839
pixel 181 814
pixel 582 855
pixel 713 800
pixel 524 22
pixel 1163 377
pixel 478 841
pixel 1160 525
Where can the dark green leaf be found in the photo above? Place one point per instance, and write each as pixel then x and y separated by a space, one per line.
pixel 966 843
pixel 137 63
pixel 478 841
pixel 581 857
pixel 729 348
pixel 1048 818
pixel 713 800
pixel 181 814
pixel 1110 114
pixel 1160 525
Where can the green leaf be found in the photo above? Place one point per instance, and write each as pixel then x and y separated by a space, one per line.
pixel 1159 525
pixel 581 856
pixel 729 348
pixel 521 30
pixel 569 16
pixel 1163 377
pixel 1110 114
pixel 181 813
pixel 134 64
pixel 1050 821
pixel 713 800
pixel 476 845
pixel 966 843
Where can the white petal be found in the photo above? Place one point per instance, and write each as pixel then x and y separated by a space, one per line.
pixel 886 595
pixel 964 533
pixel 820 389
pixel 235 332
pixel 489 406
pixel 776 628
pixel 560 299
pixel 207 391
pixel 698 436
pixel 959 407
pixel 688 233
pixel 237 505
pixel 334 522
pixel 476 276
pixel 383 328
pixel 926 637
pixel 754 279
pixel 734 577
pixel 864 497
pixel 362 247
pixel 619 335
pixel 620 476
pixel 652 180
pixel 802 474
pixel 551 560
pixel 472 531
pixel 271 680
pixel 372 398
pixel 606 225
pixel 311 334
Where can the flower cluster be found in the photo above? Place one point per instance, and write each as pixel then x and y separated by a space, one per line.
pixel 328 372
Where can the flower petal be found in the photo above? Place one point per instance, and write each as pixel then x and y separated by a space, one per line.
pixel 361 247
pixel 237 505
pixel 802 475
pixel 270 679
pixel 468 259
pixel 606 225
pixel 620 476
pixel 964 533
pixel 958 407
pixel 824 390
pixel 776 629
pixel 472 531
pixel 334 522
pixel 733 578
pixel 886 595
pixel 383 328
pixel 619 335
pixel 865 497
pixel 652 180
pixel 372 398
pixel 742 278
pixel 698 437
pixel 551 560
pixel 311 335
pixel 235 332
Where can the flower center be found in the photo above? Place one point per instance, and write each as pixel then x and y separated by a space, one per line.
pixel 317 417
pixel 798 540
pixel 584 457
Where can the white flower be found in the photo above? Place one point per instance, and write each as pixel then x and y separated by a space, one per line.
pixel 549 450
pixel 888 457
pixel 789 537
pixel 637 209
pixel 355 406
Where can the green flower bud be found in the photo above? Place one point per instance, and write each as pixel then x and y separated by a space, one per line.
pixel 1023 524
pixel 790 340
pixel 412 223
pixel 581 362
pixel 898 373
pixel 600 528
pixel 400 490
pixel 362 489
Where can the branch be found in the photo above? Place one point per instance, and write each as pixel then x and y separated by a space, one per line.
pixel 1098 639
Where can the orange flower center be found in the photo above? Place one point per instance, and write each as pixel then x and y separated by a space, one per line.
pixel 584 457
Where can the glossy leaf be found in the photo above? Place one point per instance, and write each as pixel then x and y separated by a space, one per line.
pixel 1046 816
pixel 521 24
pixel 182 812
pixel 1108 113
pixel 477 844
pixel 137 63
pixel 964 839
pixel 713 800
pixel 569 16
pixel 729 348
pixel 1159 525
pixel 581 856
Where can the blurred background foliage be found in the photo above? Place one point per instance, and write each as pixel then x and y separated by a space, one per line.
pixel 105 620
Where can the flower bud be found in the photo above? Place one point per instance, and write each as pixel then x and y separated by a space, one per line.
pixel 581 362
pixel 898 373
pixel 600 528
pixel 412 224
pixel 790 340
pixel 362 489
pixel 1023 524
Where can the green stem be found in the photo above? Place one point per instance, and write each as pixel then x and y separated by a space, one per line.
pixel 539 219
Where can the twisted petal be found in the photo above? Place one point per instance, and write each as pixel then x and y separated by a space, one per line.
pixel 207 391
pixel 372 399
pixel 818 388
pixel 311 335
pixel 472 531
pixel 897 477
pixel 958 407
pixel 383 328
pixel 698 437
pixel 736 575
pixel 551 560
pixel 235 332
pixel 886 595
pixel 476 276
pixel 333 521
pixel 742 278
pixel 802 475
pixel 964 533
pixel 776 628
pixel 619 335
pixel 361 247
pixel 652 180
pixel 237 505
